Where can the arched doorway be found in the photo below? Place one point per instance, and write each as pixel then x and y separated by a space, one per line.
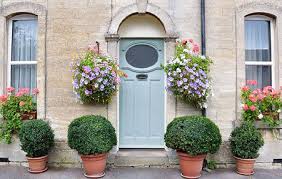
pixel 142 93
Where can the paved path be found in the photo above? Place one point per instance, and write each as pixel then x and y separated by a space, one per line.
pixel 12 172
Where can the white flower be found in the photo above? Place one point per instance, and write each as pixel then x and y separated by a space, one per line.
pixel 279 111
pixel 178 70
pixel 205 105
pixel 178 40
pixel 182 56
pixel 186 50
pixel 260 116
pixel 203 57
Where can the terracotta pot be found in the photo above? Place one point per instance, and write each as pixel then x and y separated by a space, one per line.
pixel 245 166
pixel 190 166
pixel 29 115
pixel 37 164
pixel 94 165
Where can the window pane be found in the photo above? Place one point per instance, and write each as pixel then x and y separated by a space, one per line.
pixel 23 76
pixel 141 56
pixel 257 40
pixel 262 74
pixel 24 40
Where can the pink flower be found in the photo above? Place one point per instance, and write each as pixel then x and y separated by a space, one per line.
pixel 19 94
pixel 35 91
pixel 191 41
pixel 184 42
pixel 253 108
pixel 24 90
pixel 10 89
pixel 261 97
pixel 253 98
pixel 245 107
pixel 252 82
pixel 196 48
pixel 22 103
pixel 245 88
pixel 3 98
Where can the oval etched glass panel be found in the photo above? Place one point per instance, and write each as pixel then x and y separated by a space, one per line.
pixel 141 56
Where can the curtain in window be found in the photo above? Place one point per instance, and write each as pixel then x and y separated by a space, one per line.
pixel 258 49
pixel 23 50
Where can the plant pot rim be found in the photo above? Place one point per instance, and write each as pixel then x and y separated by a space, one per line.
pixel 94 155
pixel 244 159
pixel 42 157
pixel 186 154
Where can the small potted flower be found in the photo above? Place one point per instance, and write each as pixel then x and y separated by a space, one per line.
pixel 261 104
pixel 188 74
pixel 193 137
pixel 15 107
pixel 93 137
pixel 36 137
pixel 245 142
pixel 95 77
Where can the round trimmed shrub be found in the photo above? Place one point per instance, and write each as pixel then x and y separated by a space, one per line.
pixel 36 138
pixel 194 135
pixel 245 141
pixel 91 135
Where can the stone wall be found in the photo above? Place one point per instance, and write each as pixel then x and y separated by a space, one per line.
pixel 69 26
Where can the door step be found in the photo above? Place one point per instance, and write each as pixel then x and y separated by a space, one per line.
pixel 141 158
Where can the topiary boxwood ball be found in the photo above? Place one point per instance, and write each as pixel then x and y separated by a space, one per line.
pixel 36 138
pixel 194 135
pixel 245 141
pixel 91 135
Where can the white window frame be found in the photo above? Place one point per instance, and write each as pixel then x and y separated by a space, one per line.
pixel 10 32
pixel 272 52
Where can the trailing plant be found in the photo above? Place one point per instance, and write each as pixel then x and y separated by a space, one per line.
pixel 36 138
pixel 193 135
pixel 91 135
pixel 188 74
pixel 12 106
pixel 245 141
pixel 95 77
pixel 264 105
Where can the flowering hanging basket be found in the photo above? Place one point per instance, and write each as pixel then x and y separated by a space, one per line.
pixel 188 74
pixel 95 77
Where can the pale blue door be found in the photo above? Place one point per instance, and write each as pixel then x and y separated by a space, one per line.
pixel 142 93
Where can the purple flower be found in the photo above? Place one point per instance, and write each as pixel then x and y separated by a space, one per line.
pixel 170 79
pixel 185 80
pixel 86 69
pixel 192 77
pixel 186 87
pixel 97 70
pixel 88 92
pixel 179 83
pixel 83 74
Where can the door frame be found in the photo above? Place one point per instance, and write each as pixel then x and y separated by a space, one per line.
pixel 165 94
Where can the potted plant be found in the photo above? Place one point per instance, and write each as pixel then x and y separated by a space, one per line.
pixel 95 77
pixel 188 74
pixel 261 105
pixel 93 137
pixel 36 138
pixel 15 107
pixel 193 137
pixel 245 142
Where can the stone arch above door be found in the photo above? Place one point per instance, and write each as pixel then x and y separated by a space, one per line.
pixel 139 8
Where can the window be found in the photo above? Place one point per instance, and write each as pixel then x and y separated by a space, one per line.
pixel 258 50
pixel 22 42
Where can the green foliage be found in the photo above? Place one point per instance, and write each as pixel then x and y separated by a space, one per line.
pixel 36 138
pixel 10 110
pixel 211 164
pixel 194 135
pixel 245 141
pixel 91 135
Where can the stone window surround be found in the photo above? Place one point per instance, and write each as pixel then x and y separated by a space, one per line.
pixel 8 11
pixel 268 10
pixel 112 38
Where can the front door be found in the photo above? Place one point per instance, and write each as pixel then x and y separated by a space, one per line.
pixel 142 94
